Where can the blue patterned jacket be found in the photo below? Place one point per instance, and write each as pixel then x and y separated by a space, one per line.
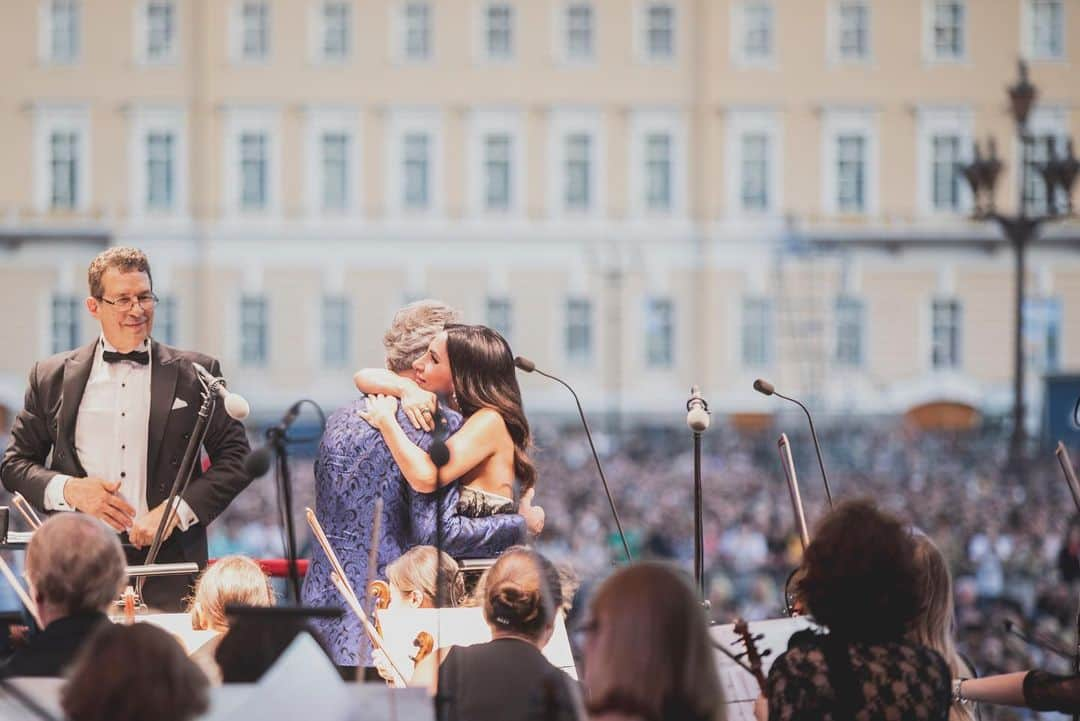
pixel 353 468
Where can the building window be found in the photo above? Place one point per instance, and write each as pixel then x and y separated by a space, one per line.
pixel 853 30
pixel 1042 334
pixel 335 171
pixel 849 331
pixel 1047 29
pixel 754 185
pixel 851 173
pixel 579 331
pixel 160 170
pixel 65 322
pixel 659 31
pixel 254 30
pixel 417 31
pixel 756 332
pixel 335 31
pixel 253 330
pixel 659 333
pixel 578 194
pixel 945 172
pixel 160 30
pixel 658 171
pixel 757 40
pixel 1038 154
pixel 498 149
pixel 63 36
pixel 335 331
pixel 579 31
pixel 64 170
pixel 499 315
pixel 253 171
pixel 499 31
pixel 165 320
pixel 946 320
pixel 948 29
pixel 416 165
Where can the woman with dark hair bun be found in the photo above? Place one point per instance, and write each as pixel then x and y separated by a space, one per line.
pixel 860 580
pixel 508 678
pixel 472 366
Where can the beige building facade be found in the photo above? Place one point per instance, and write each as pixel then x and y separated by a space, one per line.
pixel 643 194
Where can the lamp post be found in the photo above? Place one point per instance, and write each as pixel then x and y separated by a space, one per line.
pixel 1020 229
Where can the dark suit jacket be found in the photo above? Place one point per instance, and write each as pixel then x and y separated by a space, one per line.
pixel 49 652
pixel 43 445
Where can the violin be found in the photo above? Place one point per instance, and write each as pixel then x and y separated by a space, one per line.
pixel 379 591
pixel 129 605
pixel 753 656
pixel 424 643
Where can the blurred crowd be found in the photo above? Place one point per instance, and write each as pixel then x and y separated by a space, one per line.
pixel 1006 535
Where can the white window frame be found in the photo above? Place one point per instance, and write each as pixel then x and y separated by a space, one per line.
pixel 347 328
pixel 45 33
pixel 566 122
pixel 319 121
pixel 741 122
pixel 930 47
pixel 482 51
pixel 399 28
pixel 236 34
pixel 644 123
pixel 931 122
pixel 72 328
pixel 484 122
pixel 647 325
pixel 1027 33
pixel 49 118
pixel 238 121
pixel 500 298
pixel 587 360
pixel 317 33
pixel 835 33
pixel 738 35
pixel 264 361
pixel 769 331
pixel 957 361
pixel 852 121
pixel 562 29
pixel 860 302
pixel 641 32
pixel 142 34
pixel 147 119
pixel 402 122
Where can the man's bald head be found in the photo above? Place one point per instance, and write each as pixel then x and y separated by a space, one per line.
pixel 75 564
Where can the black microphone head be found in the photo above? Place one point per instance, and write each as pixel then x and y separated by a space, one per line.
pixel 525 364
pixel 258 462
pixel 1008 624
pixel 440 454
pixel 764 387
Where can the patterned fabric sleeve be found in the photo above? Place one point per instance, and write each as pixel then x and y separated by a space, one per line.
pixel 1049 692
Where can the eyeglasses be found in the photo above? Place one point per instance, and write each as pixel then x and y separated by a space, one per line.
pixel 125 303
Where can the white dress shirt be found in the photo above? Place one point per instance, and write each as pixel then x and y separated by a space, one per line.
pixel 112 431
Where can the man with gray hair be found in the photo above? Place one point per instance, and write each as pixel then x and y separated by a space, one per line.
pixel 75 568
pixel 354 468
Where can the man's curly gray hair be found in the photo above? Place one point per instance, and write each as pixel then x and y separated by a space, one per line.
pixel 412 329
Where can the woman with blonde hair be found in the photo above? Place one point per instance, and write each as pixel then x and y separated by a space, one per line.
pixel 648 656
pixel 935 626
pixel 413 579
pixel 230 581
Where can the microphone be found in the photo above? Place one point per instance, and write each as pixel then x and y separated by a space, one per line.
pixel 766 388
pixel 438 450
pixel 258 461
pixel 235 405
pixel 529 367
pixel 697 411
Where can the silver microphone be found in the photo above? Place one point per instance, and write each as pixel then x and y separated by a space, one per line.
pixel 235 405
pixel 793 489
pixel 697 411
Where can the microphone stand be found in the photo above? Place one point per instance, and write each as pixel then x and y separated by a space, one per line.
pixel 440 456
pixel 1074 489
pixel 283 480
pixel 183 477
pixel 817 446
pixel 699 525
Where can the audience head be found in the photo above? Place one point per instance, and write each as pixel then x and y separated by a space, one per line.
pixel 133 673
pixel 74 564
pixel 255 642
pixel 647 652
pixel 411 331
pixel 230 581
pixel 413 578
pixel 522 594
pixel 859 574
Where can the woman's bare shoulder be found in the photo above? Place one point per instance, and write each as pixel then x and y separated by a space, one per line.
pixel 487 419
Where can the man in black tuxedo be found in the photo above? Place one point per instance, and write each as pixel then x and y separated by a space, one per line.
pixel 104 427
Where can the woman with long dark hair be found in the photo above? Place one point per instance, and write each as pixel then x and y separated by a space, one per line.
pixel 472 367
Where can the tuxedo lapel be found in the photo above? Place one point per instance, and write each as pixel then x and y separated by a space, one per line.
pixel 76 372
pixel 163 374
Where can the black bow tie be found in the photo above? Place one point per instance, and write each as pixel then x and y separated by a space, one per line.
pixel 141 357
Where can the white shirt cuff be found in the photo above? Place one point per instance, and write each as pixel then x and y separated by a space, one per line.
pixel 54 494
pixel 185 517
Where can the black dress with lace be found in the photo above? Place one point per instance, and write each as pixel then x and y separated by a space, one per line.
pixel 1049 692
pixel 822 678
